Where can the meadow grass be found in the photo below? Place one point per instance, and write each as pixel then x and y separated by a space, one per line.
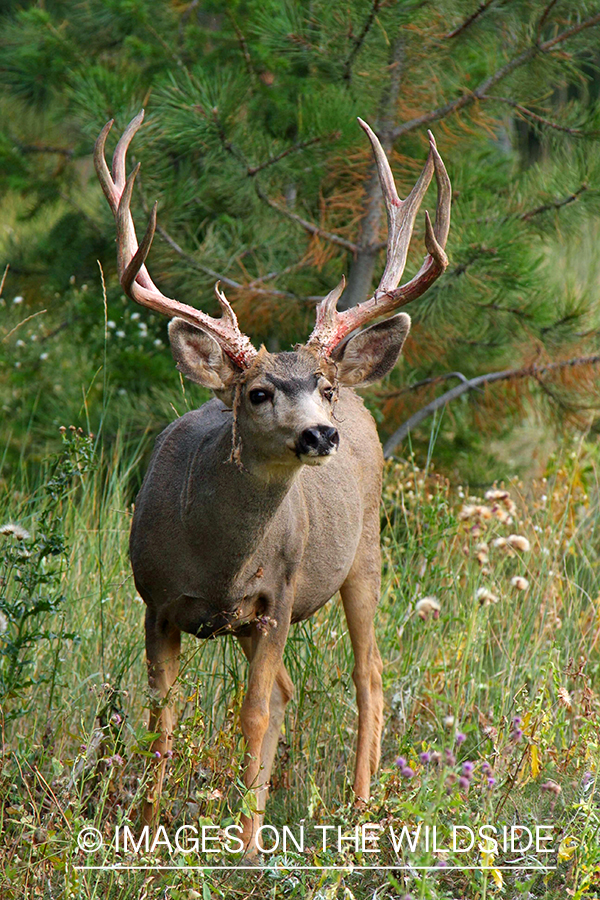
pixel 488 626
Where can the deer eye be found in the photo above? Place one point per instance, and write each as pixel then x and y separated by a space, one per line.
pixel 328 393
pixel 259 396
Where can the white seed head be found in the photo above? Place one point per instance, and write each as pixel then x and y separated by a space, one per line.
pixel 518 542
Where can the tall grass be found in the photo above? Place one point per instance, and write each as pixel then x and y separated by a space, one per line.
pixel 502 676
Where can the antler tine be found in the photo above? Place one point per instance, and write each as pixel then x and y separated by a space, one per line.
pixel 401 214
pixel 332 327
pixel 133 275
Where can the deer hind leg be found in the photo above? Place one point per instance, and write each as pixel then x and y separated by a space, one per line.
pixel 163 645
pixel 360 594
pixel 270 689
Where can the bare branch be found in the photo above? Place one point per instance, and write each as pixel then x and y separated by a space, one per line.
pixel 534 371
pixel 528 113
pixel 479 92
pixel 469 21
pixel 310 227
pixel 555 204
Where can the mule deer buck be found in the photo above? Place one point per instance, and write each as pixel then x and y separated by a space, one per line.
pixel 262 504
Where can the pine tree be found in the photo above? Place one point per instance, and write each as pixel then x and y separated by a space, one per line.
pixel 265 181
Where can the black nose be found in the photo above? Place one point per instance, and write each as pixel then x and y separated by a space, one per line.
pixel 319 440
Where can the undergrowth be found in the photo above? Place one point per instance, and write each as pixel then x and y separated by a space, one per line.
pixel 488 625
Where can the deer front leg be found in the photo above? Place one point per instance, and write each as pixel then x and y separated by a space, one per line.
pixel 163 647
pixel 360 594
pixel 269 690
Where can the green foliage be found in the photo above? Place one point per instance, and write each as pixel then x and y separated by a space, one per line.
pixel 31 573
pixel 252 106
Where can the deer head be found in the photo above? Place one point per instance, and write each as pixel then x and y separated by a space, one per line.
pixel 286 401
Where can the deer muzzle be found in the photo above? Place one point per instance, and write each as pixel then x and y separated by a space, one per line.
pixel 317 443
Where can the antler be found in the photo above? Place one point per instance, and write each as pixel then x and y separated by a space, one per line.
pixel 333 326
pixel 131 258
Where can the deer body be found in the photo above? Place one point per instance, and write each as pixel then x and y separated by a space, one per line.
pixel 260 506
pixel 237 537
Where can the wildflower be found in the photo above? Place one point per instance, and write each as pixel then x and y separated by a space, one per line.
pixel 169 754
pixel 134 316
pixel 497 495
pixel 157 754
pixel 460 738
pixel 3 623
pixel 441 864
pixel 19 533
pixel 111 324
pixel 551 787
pixel 470 511
pixel 407 772
pixel 483 551
pixel 464 783
pixel 425 757
pixel 43 356
pixel 448 721
pixel 20 343
pixel 158 342
pixel 499 542
pixel 400 762
pixel 491 781
pixel 518 542
pixel 427 606
pixel 450 757
pixel 468 768
pixel 117 760
pixel 520 583
pixel 517 732
pixel 120 333
pixel 17 300
pixel 436 757
pixel 564 698
pixel 116 718
pixel 485 596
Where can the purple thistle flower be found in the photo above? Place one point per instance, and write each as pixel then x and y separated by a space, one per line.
pixel 157 754
pixel 441 864
pixel 450 757
pixel 491 781
pixel 407 772
pixel 400 762
pixel 516 735
pixel 467 769
pixel 425 757
pixel 169 754
pixel 464 783
pixel 517 721
pixel 486 768
pixel 460 738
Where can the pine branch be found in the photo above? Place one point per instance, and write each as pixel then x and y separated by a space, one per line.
pixel 528 113
pixel 310 227
pixel 302 145
pixel 507 69
pixel 359 41
pixel 554 204
pixel 474 383
pixel 469 21
pixel 218 276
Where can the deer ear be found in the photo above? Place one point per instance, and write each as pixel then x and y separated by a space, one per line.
pixel 199 358
pixel 371 353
